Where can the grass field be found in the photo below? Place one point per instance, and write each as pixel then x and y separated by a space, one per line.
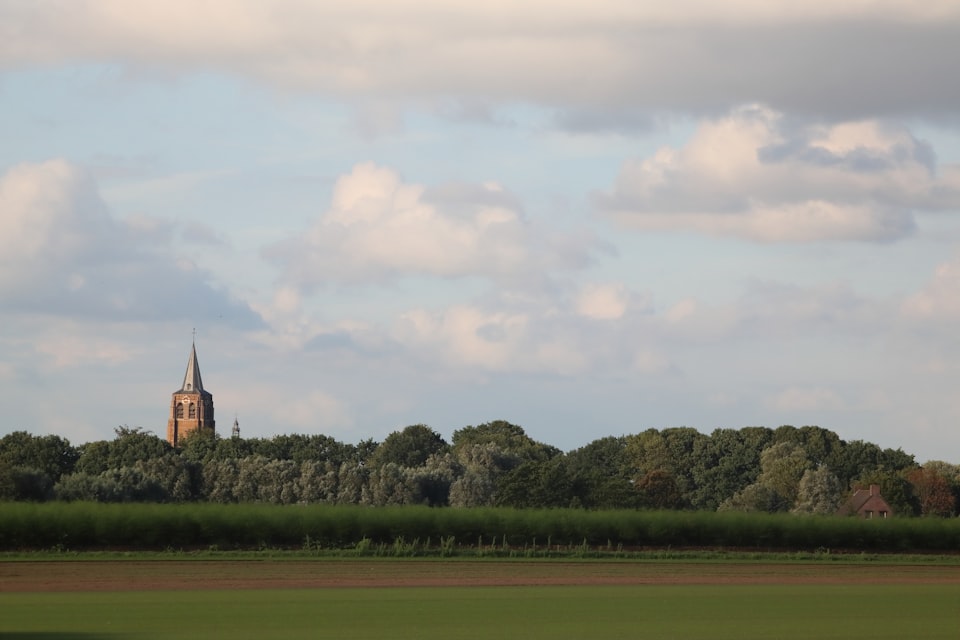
pixel 560 600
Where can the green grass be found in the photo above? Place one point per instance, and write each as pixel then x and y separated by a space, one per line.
pixel 636 612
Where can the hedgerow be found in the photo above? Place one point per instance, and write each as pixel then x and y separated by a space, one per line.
pixel 92 526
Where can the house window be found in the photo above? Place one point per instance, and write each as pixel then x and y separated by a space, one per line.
pixel 866 514
pixel 883 514
pixel 193 411
pixel 179 410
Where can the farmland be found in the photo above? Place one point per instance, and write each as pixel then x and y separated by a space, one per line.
pixel 78 571
pixel 401 598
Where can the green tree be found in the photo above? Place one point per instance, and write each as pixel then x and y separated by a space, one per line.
pixel 819 444
pixel 507 437
pixel 754 497
pixel 480 466
pixel 601 474
pixel 677 450
pixel 390 485
pixel 352 483
pixel 30 465
pixel 130 445
pixel 25 484
pixel 658 490
pixel 819 492
pixel 318 482
pixel 199 446
pixel 50 454
pixel 410 447
pixel 536 484
pixel 220 478
pixel 782 465
pixel 725 463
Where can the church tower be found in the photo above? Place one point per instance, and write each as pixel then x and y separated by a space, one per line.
pixel 191 408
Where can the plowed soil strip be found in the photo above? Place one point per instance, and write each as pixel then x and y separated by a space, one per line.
pixel 269 574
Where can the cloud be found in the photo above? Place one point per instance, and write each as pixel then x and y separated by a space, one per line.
pixel 310 411
pixel 61 252
pixel 806 399
pixel 379 228
pixel 939 300
pixel 837 60
pixel 597 327
pixel 754 175
pixel 603 301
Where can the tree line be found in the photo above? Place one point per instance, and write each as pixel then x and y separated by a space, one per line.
pixel 788 469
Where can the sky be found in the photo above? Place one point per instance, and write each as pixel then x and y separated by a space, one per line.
pixel 586 218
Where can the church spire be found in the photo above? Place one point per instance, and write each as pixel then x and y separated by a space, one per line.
pixel 191 407
pixel 192 380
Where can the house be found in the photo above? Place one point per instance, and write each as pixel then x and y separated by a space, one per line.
pixel 866 503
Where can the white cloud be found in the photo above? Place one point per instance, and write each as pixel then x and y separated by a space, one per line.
pixel 69 349
pixel 61 252
pixel 603 301
pixel 469 337
pixel 806 399
pixel 852 57
pixel 309 412
pixel 755 176
pixel 50 215
pixel 379 228
pixel 939 300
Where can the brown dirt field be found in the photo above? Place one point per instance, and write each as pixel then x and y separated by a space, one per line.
pixel 124 575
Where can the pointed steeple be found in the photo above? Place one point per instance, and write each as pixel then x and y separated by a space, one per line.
pixel 191 406
pixel 191 380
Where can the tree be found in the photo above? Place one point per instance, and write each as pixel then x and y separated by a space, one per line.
pixel 475 488
pixel 674 450
pixel 507 437
pixel 261 479
pixel 725 463
pixel 658 490
pixel 130 445
pixel 408 448
pixel 390 485
pixel 25 483
pixel 220 479
pixel 317 482
pixel 932 491
pixel 433 480
pixel 30 465
pixel 352 480
pixel 535 484
pixel 819 492
pixel 199 446
pixel 819 443
pixel 782 465
pixel 755 497
pixel 601 476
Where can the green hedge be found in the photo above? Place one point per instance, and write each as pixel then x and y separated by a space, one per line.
pixel 86 526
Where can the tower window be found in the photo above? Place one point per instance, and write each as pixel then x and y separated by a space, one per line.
pixel 189 386
pixel 193 411
pixel 179 412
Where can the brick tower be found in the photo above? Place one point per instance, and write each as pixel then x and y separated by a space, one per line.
pixel 191 408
